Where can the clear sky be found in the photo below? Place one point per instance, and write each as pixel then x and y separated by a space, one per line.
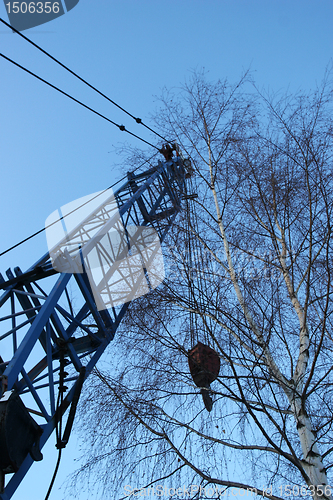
pixel 53 151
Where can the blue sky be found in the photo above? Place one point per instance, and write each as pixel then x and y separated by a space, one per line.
pixel 53 151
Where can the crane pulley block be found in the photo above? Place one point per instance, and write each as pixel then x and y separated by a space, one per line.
pixel 204 364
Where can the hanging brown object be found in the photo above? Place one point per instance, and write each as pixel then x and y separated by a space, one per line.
pixel 167 151
pixel 204 364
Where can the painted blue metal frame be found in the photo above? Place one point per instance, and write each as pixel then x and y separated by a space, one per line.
pixel 151 198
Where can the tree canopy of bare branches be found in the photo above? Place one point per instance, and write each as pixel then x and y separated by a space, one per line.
pixel 249 272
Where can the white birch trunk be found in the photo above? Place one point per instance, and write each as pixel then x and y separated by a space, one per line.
pixel 312 461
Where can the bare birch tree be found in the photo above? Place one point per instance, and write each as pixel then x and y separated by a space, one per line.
pixel 249 272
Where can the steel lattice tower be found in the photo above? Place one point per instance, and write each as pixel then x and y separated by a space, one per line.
pixel 46 342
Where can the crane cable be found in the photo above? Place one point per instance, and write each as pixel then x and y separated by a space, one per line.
pixel 196 262
pixel 121 127
pixel 58 427
pixel 192 270
pixel 77 208
pixel 138 120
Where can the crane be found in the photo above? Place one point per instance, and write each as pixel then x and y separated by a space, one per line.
pixel 58 317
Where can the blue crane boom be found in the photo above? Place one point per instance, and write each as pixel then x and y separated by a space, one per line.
pixel 57 322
